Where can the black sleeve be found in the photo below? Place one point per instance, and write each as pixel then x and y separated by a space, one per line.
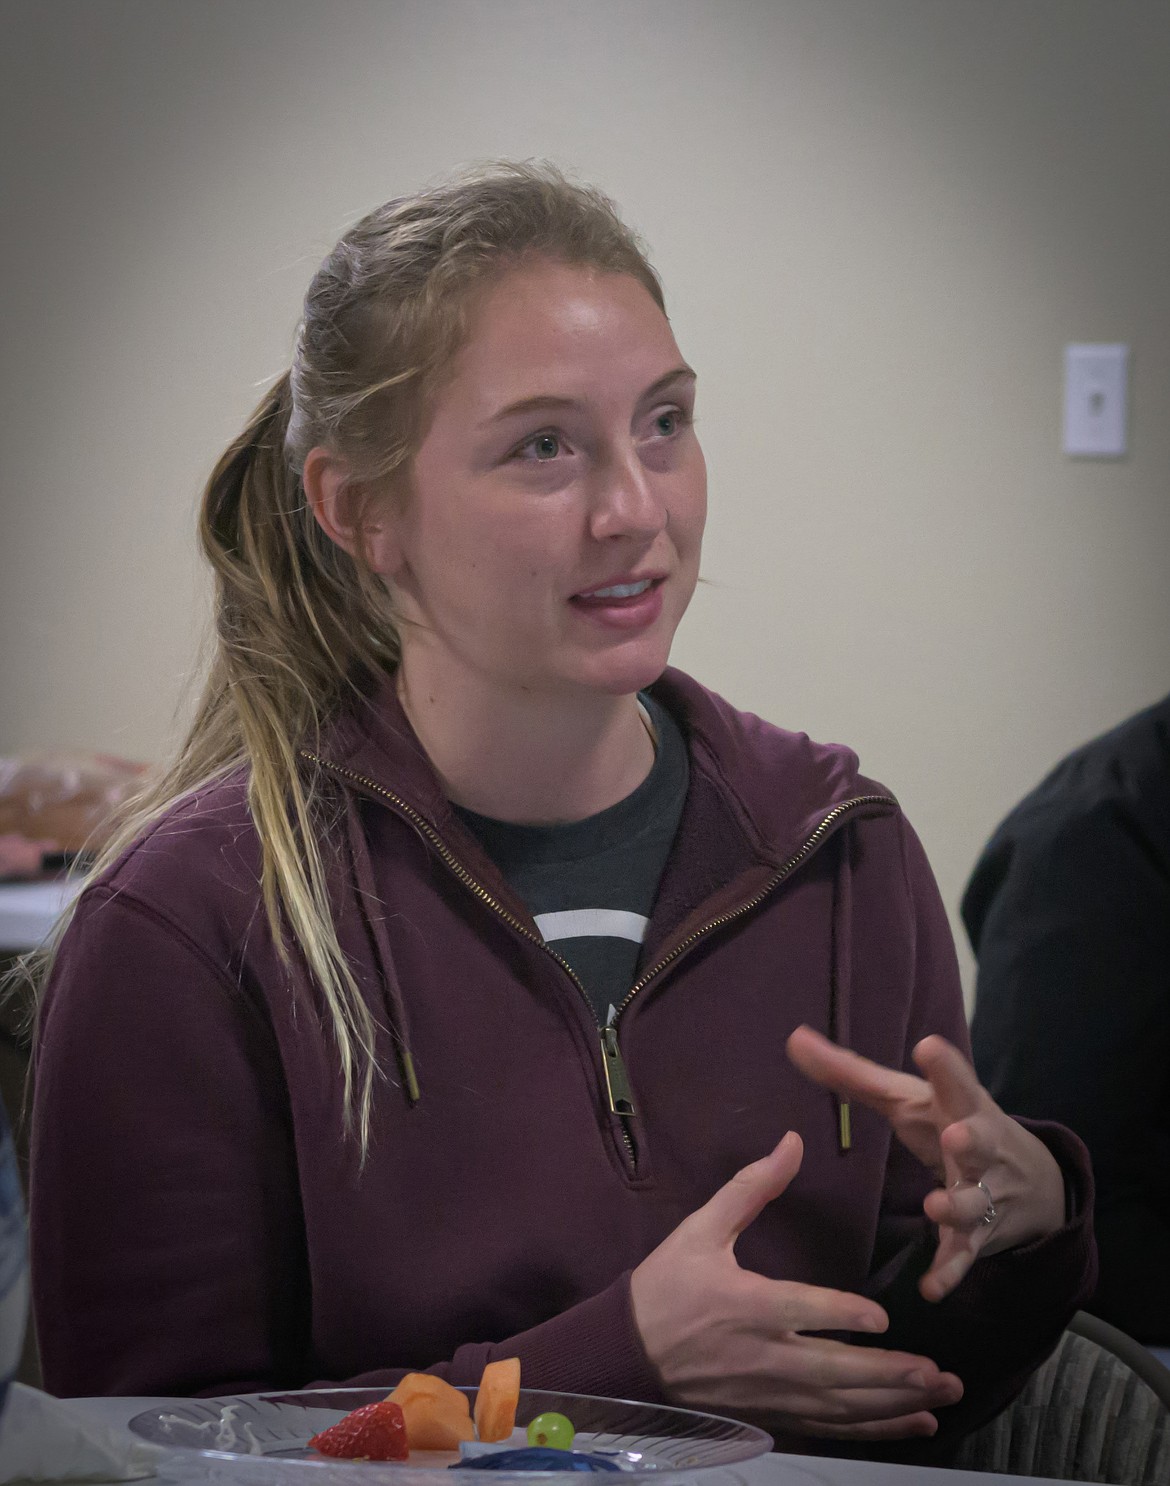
pixel 1070 920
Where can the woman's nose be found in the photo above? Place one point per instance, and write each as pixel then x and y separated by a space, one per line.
pixel 628 500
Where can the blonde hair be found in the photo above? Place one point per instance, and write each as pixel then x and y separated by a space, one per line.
pixel 300 626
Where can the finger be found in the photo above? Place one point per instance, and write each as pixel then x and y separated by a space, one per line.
pixel 848 1073
pixel 972 1145
pixel 963 1207
pixel 740 1201
pixel 827 1366
pixel 783 1306
pixel 955 1084
pixel 942 1277
pixel 862 1405
pixel 959 1212
pixel 908 1426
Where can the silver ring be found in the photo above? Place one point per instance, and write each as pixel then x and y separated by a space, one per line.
pixel 990 1215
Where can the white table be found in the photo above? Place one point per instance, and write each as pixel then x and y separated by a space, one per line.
pixel 768 1470
pixel 28 911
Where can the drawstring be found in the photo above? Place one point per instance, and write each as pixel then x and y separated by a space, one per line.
pixel 840 971
pixel 367 897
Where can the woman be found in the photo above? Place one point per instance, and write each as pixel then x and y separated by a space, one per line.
pixel 435 1006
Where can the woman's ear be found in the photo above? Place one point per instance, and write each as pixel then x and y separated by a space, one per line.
pixel 350 514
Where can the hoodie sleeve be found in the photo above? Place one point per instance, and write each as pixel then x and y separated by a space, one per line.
pixel 594 1347
pixel 1008 1313
pixel 159 1133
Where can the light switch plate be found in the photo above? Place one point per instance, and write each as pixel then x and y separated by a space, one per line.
pixel 1095 395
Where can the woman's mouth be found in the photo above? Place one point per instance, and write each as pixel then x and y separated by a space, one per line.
pixel 622 605
pixel 618 591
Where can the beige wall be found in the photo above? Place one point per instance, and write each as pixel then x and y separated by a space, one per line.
pixel 878 222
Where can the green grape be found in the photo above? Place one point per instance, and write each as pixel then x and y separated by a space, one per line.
pixel 553 1431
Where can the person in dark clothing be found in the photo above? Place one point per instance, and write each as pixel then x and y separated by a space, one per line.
pixel 1068 911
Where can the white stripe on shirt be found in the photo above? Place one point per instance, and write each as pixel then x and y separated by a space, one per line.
pixel 592 923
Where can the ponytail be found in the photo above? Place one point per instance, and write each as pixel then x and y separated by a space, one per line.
pixel 298 625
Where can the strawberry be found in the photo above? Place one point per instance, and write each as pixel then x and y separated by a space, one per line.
pixel 376 1431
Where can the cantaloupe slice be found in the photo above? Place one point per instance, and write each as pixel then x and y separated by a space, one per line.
pixel 430 1384
pixel 438 1416
pixel 495 1403
pixel 434 1424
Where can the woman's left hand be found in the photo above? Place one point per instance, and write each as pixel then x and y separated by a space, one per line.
pixel 951 1123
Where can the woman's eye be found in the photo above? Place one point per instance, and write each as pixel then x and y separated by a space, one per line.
pixel 544 446
pixel 669 422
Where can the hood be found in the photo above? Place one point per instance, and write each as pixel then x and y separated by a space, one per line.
pixel 783 783
pixel 375 745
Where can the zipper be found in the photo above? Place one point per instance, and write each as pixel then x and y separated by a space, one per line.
pixel 617 1083
pixel 806 849
pixel 814 840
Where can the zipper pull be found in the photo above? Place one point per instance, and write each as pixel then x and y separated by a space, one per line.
pixel 616 1082
pixel 844 1127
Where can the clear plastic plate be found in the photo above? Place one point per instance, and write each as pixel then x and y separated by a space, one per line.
pixel 263 1437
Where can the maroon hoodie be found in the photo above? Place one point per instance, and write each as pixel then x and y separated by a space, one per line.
pixel 201 1223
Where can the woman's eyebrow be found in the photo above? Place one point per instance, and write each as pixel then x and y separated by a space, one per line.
pixel 545 403
pixel 679 374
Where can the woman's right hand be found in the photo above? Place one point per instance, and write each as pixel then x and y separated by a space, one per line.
pixel 727 1339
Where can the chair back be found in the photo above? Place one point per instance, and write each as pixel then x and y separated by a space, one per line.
pixel 1150 1368
pixel 1087 1414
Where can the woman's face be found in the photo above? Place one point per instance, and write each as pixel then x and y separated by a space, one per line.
pixel 550 536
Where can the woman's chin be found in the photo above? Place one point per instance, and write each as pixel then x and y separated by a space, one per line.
pixel 619 676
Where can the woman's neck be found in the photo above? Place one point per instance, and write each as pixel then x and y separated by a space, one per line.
pixel 528 757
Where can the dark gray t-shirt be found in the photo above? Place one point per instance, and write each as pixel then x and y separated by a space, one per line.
pixel 590 884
